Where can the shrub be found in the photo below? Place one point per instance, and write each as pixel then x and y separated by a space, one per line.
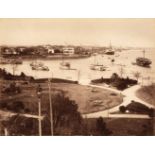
pixel 122 109
pixel 16 106
pixel 100 126
pixel 137 107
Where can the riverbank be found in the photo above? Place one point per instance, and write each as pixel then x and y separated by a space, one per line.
pixel 47 57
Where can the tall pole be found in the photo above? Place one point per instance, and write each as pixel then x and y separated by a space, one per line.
pixel 39 119
pixel 78 71
pixel 51 109
pixel 39 90
pixel 144 53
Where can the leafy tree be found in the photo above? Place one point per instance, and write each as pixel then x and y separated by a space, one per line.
pixel 114 77
pixel 22 75
pixel 67 119
pixel 19 125
pixel 137 75
pixel 100 126
pixel 121 71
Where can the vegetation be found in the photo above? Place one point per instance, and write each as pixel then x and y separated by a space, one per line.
pixel 54 80
pixel 8 76
pixel 12 89
pixel 116 81
pixel 39 51
pixel 16 106
pixel 137 75
pixel 121 126
pixel 101 127
pixel 122 109
pixel 130 127
pixel 66 121
pixel 19 125
pixel 137 108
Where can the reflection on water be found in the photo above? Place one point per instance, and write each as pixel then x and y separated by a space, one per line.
pixel 83 72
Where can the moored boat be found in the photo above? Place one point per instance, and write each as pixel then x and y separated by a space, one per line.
pixel 65 65
pixel 142 61
pixel 98 67
pixel 41 68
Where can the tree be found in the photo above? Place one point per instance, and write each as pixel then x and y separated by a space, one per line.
pixel 100 126
pixel 67 119
pixel 122 109
pixel 121 71
pixel 19 125
pixel 137 75
pixel 22 75
pixel 114 77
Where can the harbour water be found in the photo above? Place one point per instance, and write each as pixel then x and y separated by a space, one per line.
pixel 83 73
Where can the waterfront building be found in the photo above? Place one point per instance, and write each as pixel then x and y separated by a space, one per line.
pixel 68 51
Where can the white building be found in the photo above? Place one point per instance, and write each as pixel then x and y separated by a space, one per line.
pixel 68 50
pixel 49 48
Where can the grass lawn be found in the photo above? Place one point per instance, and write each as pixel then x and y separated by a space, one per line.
pixel 88 99
pixel 146 93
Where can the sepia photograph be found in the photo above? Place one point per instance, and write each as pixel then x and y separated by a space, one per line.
pixel 77 76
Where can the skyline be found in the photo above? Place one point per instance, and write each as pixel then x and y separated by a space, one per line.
pixel 94 32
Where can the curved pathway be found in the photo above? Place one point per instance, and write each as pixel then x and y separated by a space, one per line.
pixel 6 114
pixel 129 95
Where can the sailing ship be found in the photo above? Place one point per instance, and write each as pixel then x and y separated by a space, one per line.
pixel 142 61
pixel 96 66
pixel 64 65
pixel 110 50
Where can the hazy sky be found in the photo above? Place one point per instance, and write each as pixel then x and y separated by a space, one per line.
pixel 121 32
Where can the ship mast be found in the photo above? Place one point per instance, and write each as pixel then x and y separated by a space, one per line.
pixel 143 53
pixel 110 45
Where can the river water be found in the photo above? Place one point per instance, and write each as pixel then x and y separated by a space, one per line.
pixel 83 72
